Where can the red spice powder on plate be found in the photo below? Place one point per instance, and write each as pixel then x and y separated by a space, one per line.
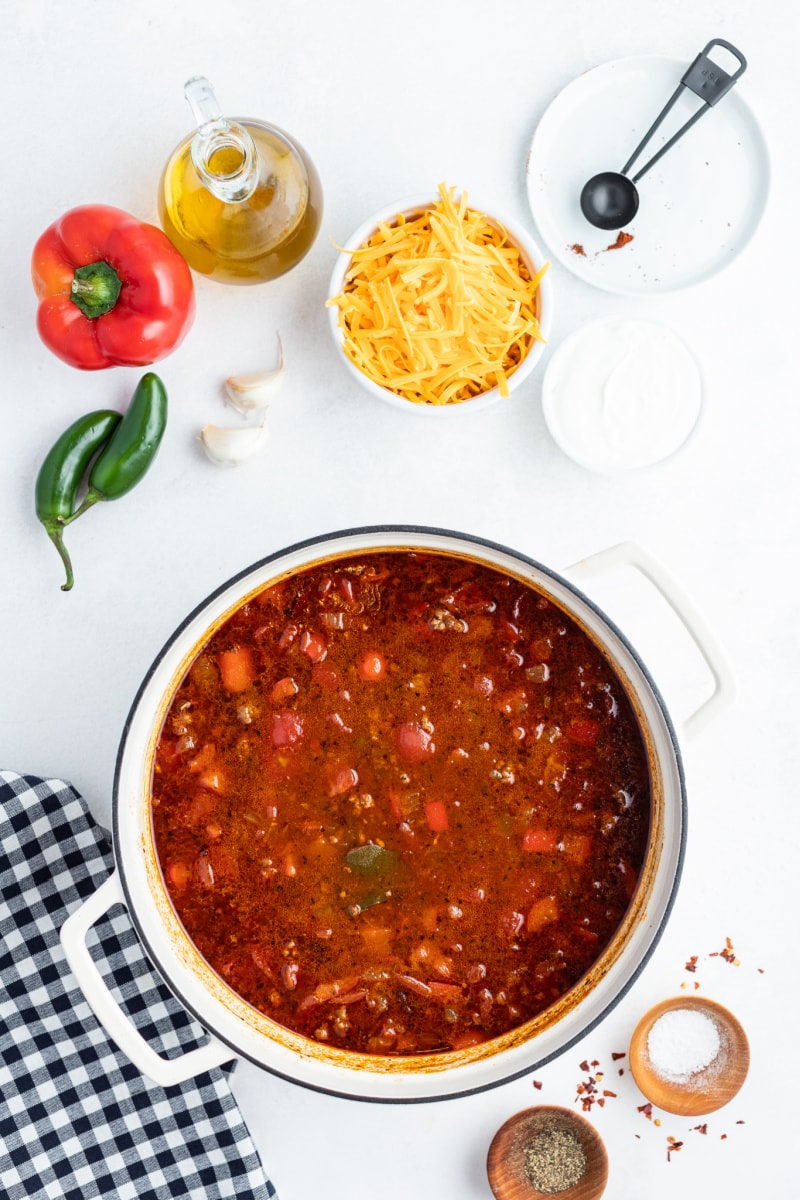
pixel 622 240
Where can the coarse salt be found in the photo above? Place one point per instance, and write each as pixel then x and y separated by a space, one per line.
pixel 682 1043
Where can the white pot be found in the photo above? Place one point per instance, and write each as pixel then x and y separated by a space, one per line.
pixel 237 1028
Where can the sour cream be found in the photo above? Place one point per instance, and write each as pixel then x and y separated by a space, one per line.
pixel 621 394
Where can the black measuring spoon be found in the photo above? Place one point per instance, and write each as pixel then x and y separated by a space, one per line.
pixel 610 200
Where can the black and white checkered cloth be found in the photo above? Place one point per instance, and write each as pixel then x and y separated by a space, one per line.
pixel 77 1119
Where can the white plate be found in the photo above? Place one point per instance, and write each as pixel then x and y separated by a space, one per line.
pixel 699 206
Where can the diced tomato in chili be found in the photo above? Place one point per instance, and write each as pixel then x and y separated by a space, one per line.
pixel 578 847
pixel 287 728
pixel 377 941
pixel 344 586
pixel 237 668
pixel 544 912
pixel 200 810
pixel 313 645
pixel 289 973
pixel 212 778
pixel 414 743
pixel 512 923
pixel 178 875
pixel 343 781
pixel 436 816
pixel 338 722
pixel 540 841
pixel 325 675
pixel 288 635
pixel 371 666
pixel 205 872
pixel 583 731
pixel 170 753
pixel 403 802
pixel 284 689
pixel 204 758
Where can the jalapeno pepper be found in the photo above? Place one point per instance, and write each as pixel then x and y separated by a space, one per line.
pixel 61 473
pixel 130 450
pixel 127 446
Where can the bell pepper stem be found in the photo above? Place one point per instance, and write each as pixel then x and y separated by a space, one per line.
pixel 55 532
pixel 95 289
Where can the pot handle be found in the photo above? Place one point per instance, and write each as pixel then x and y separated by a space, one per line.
pixel 629 554
pixel 163 1071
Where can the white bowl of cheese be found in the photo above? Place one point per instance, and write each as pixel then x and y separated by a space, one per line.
pixel 439 307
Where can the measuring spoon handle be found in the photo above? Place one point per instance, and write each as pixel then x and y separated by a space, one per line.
pixel 706 80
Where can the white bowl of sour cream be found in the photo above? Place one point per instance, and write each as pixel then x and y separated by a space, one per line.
pixel 621 394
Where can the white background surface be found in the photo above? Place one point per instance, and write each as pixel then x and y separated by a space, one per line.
pixel 389 100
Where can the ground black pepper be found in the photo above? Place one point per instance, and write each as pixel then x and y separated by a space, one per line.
pixel 554 1160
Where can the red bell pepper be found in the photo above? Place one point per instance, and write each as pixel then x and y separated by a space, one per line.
pixel 113 291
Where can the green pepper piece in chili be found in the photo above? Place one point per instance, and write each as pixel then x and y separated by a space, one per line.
pixel 62 471
pixel 129 452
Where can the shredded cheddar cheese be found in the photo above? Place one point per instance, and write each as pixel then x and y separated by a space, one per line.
pixel 439 307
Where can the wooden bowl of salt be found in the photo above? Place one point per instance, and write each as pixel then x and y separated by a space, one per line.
pixel 547 1151
pixel 689 1055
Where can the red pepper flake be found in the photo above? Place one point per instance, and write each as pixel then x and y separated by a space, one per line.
pixel 537 1083
pixel 587 1094
pixel 588 1091
pixel 577 248
pixel 672 1147
pixel 622 240
pixel 722 1137
pixel 728 953
pixel 740 1122
pixel 616 1055
pixel 701 1128
pixel 692 963
pixel 621 1071
pixel 647 1109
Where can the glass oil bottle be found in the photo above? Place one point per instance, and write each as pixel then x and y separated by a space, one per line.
pixel 239 199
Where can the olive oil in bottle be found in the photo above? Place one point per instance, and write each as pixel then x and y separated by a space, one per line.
pixel 239 199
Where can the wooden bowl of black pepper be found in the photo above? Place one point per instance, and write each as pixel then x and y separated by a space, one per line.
pixel 547 1151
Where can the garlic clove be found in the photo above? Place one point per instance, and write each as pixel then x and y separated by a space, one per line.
pixel 231 447
pixel 250 393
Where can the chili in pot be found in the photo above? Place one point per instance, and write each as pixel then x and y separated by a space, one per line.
pixel 401 802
